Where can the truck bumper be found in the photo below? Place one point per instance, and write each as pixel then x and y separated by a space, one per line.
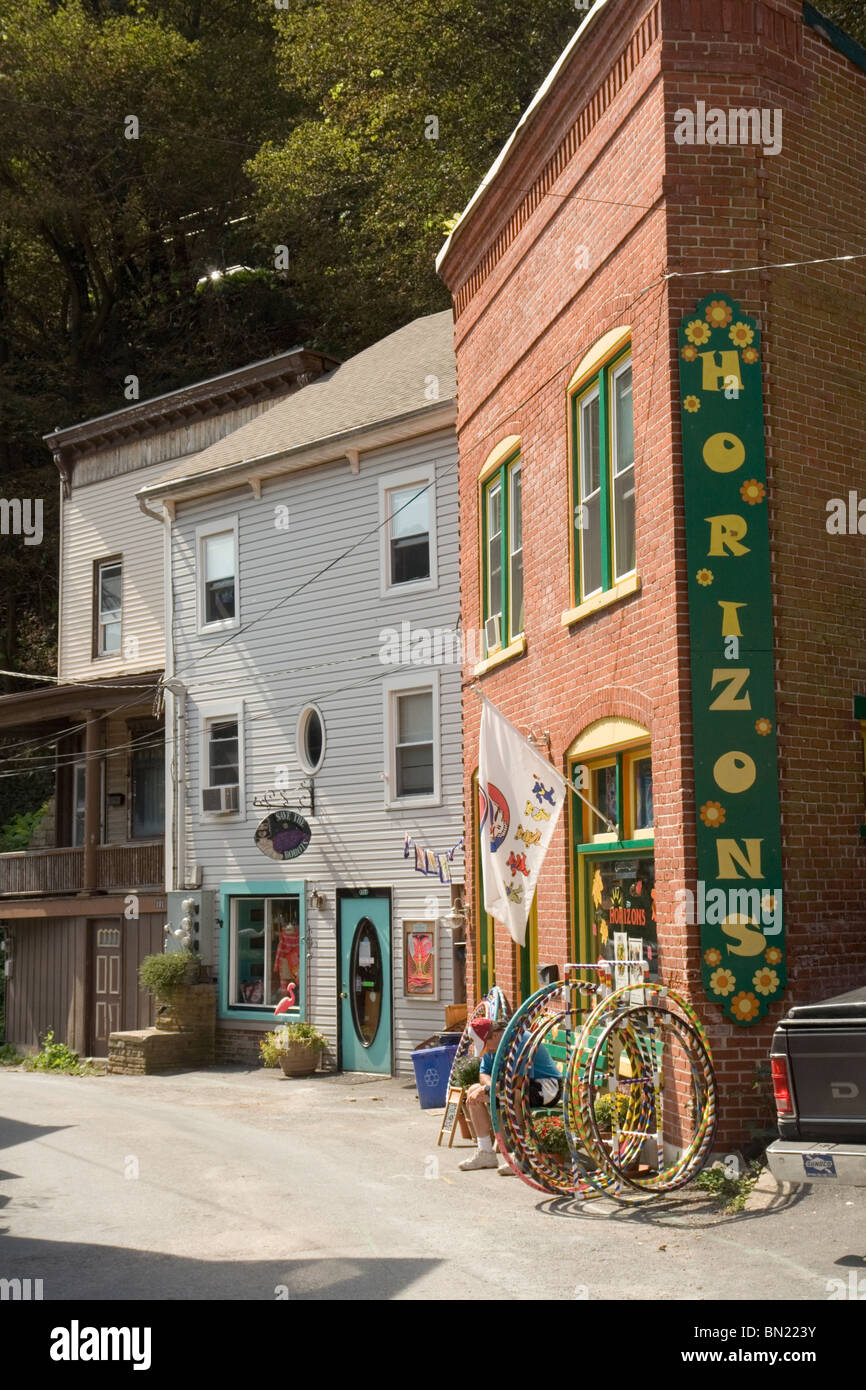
pixel 799 1161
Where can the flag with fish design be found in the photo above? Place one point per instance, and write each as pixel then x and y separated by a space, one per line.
pixel 520 801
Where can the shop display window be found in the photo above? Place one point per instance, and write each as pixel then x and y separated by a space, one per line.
pixel 266 951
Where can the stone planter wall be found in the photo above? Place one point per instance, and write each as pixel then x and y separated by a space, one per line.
pixel 183 1037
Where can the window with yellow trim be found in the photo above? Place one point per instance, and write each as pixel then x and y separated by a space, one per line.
pixel 502 555
pixel 614 870
pixel 603 488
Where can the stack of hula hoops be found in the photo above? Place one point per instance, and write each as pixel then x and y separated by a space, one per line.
pixel 641 1046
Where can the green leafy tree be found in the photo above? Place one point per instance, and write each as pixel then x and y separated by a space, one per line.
pixel 104 238
pixel 409 103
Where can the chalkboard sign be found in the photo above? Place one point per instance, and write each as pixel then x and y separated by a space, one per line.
pixel 453 1114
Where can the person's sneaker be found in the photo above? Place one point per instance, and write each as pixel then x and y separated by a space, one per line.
pixel 505 1169
pixel 482 1158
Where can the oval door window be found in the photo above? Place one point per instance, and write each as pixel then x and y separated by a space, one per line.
pixel 365 970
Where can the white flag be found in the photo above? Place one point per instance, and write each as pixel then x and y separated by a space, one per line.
pixel 521 797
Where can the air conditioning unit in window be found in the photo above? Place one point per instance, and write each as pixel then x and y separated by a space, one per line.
pixel 492 633
pixel 219 801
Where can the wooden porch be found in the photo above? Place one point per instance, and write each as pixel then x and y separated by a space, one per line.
pixel 123 868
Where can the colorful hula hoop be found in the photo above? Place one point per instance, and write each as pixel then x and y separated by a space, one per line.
pixel 617 1045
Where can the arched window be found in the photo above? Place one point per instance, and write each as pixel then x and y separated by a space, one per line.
pixel 613 866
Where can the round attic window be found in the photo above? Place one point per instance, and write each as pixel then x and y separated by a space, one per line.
pixel 311 739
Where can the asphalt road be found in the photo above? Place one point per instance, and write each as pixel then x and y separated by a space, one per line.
pixel 234 1184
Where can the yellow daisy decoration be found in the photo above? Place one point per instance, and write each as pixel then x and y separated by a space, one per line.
pixel 712 956
pixel 718 313
pixel 690 352
pixel 712 813
pixel 752 492
pixel 750 354
pixel 741 335
pixel 723 982
pixel 597 888
pixel 763 726
pixel 698 332
pixel 765 980
pixel 772 955
pixel 704 578
pixel 692 404
pixel 745 1007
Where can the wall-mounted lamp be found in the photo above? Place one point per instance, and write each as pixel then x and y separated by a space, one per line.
pixel 457 919
pixel 317 900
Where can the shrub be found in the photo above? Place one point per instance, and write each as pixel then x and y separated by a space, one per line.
pixel 732 1189
pixel 17 833
pixel 280 1040
pixel 162 974
pixel 9 1057
pixel 57 1056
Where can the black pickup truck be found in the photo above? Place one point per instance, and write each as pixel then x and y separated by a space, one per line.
pixel 818 1060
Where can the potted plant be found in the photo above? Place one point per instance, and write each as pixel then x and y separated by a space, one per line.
pixel 296 1048
pixel 466 1072
pixel 550 1136
pixel 163 975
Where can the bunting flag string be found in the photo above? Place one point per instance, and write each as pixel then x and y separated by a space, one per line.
pixel 429 861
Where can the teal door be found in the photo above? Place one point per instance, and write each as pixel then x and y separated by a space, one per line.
pixel 365 983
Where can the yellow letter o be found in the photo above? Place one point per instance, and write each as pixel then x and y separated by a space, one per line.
pixel 734 772
pixel 724 453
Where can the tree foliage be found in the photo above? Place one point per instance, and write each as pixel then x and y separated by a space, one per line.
pixel 409 102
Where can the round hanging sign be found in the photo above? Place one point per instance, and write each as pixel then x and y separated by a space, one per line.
pixel 283 835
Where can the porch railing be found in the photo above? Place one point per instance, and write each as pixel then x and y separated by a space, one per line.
pixel 118 868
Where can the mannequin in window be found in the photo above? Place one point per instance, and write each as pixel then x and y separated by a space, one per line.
pixel 287 956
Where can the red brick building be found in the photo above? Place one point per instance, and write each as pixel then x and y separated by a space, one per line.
pixel 673 141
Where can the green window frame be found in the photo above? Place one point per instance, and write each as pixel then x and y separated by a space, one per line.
pixel 502 552
pixel 602 468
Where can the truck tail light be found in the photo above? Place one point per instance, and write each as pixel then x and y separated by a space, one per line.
pixel 781 1086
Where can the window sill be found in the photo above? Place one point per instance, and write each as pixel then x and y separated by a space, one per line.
pixel 629 585
pixel 410 803
pixel 515 648
pixel 407 588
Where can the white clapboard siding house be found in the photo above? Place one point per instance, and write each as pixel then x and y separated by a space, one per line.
pixel 317 764
pixel 86 901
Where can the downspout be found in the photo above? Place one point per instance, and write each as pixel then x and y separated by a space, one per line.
pixel 174 693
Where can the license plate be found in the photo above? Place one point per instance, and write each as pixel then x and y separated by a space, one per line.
pixel 819 1166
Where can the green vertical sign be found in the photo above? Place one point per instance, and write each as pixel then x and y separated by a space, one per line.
pixel 738 898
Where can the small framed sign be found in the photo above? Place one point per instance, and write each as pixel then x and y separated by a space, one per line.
pixel 455 1113
pixel 420 960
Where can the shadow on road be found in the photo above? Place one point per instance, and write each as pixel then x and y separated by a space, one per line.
pixel 690 1208
pixel 14 1132
pixel 73 1271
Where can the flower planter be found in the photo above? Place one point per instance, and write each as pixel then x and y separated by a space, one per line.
pixel 299 1060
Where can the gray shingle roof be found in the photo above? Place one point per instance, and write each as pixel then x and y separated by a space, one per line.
pixel 385 381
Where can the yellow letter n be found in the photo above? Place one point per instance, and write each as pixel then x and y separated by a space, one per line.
pixel 749 859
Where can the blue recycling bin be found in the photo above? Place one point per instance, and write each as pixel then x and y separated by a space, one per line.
pixel 432 1070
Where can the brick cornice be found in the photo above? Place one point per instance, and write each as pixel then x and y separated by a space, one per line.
pixel 468 271
pixel 617 702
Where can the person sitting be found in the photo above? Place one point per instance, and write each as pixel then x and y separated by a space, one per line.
pixel 545 1088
